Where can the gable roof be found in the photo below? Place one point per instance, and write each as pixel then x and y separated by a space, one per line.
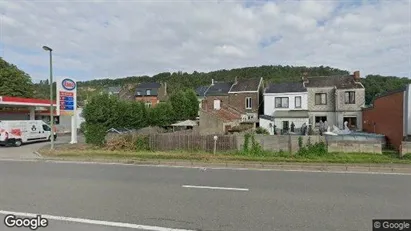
pixel 285 87
pixel 219 88
pixel 341 82
pixel 246 85
pixel 143 87
pixel 149 85
pixel 200 91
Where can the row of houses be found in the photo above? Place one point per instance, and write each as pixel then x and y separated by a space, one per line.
pixel 333 101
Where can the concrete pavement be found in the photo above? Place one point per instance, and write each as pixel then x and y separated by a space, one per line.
pixel 27 151
pixel 215 199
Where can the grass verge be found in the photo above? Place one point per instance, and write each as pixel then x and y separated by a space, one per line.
pixel 92 153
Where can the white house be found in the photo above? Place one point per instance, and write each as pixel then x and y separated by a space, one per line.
pixel 285 107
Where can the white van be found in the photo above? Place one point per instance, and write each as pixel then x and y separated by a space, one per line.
pixel 17 132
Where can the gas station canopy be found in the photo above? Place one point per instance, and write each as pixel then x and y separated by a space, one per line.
pixel 25 102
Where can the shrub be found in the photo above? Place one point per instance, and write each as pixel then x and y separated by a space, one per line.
pixel 317 149
pixel 128 142
pixel 256 149
pixel 261 130
pixel 95 134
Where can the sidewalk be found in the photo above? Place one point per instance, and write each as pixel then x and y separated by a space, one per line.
pixel 314 167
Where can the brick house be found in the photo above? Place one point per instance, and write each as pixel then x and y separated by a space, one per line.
pixel 390 115
pixel 245 96
pixel 231 102
pixel 335 99
pixel 151 93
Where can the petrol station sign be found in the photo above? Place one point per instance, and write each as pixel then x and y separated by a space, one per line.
pixel 66 96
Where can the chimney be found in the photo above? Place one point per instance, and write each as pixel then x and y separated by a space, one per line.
pixel 305 77
pixel 357 75
pixel 212 81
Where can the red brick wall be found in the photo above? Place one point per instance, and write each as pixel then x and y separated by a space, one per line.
pixel 208 102
pixel 145 99
pixel 387 114
pixel 237 100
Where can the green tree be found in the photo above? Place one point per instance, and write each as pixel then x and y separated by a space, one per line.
pixel 13 81
pixel 161 115
pixel 193 104
pixel 180 105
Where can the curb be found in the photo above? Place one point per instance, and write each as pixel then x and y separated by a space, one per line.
pixel 354 168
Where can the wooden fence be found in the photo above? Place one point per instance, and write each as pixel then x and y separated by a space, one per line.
pixel 191 142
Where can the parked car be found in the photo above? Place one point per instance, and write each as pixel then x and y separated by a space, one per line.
pixel 17 132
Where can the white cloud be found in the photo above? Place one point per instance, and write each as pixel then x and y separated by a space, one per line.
pixel 97 38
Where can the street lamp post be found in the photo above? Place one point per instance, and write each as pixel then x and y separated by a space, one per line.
pixel 46 48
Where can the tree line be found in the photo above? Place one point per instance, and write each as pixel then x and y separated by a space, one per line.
pixel 15 82
pixel 103 112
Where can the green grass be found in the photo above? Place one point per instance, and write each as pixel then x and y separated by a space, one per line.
pixel 345 158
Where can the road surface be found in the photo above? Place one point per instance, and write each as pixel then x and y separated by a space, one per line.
pixel 199 199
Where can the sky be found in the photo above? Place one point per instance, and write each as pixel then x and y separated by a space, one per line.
pixel 101 39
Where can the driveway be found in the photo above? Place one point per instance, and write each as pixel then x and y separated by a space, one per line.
pixel 26 151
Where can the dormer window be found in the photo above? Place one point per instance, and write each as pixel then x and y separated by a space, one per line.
pixel 138 92
pixel 148 92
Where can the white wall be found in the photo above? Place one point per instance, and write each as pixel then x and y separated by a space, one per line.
pixel 298 122
pixel 266 124
pixel 269 101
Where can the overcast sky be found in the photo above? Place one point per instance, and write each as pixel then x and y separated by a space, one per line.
pixel 96 39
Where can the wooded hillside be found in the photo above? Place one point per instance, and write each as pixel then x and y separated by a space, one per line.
pixel 17 83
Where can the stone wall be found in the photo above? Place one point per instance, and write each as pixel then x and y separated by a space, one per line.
pixel 406 148
pixel 276 143
pixel 359 100
pixel 355 147
pixel 330 104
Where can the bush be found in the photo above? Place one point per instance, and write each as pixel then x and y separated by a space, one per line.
pixel 255 149
pixel 261 130
pixel 317 149
pixel 129 142
pixel 95 134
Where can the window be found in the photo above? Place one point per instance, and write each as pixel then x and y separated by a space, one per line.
pixel 248 104
pixel 298 102
pixel 281 102
pixel 138 92
pixel 148 104
pixel 351 122
pixel 217 104
pixel 320 99
pixel 148 92
pixel 46 128
pixel 319 119
pixel 349 97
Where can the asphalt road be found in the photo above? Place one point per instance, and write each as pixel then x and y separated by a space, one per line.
pixel 155 196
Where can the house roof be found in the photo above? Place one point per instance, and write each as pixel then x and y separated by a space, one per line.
pixel 149 85
pixel 200 91
pixel 142 87
pixel 341 82
pixel 246 85
pixel 291 114
pixel 219 88
pixel 285 87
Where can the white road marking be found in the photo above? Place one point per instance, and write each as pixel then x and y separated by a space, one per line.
pixel 219 188
pixel 274 169
pixel 93 222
